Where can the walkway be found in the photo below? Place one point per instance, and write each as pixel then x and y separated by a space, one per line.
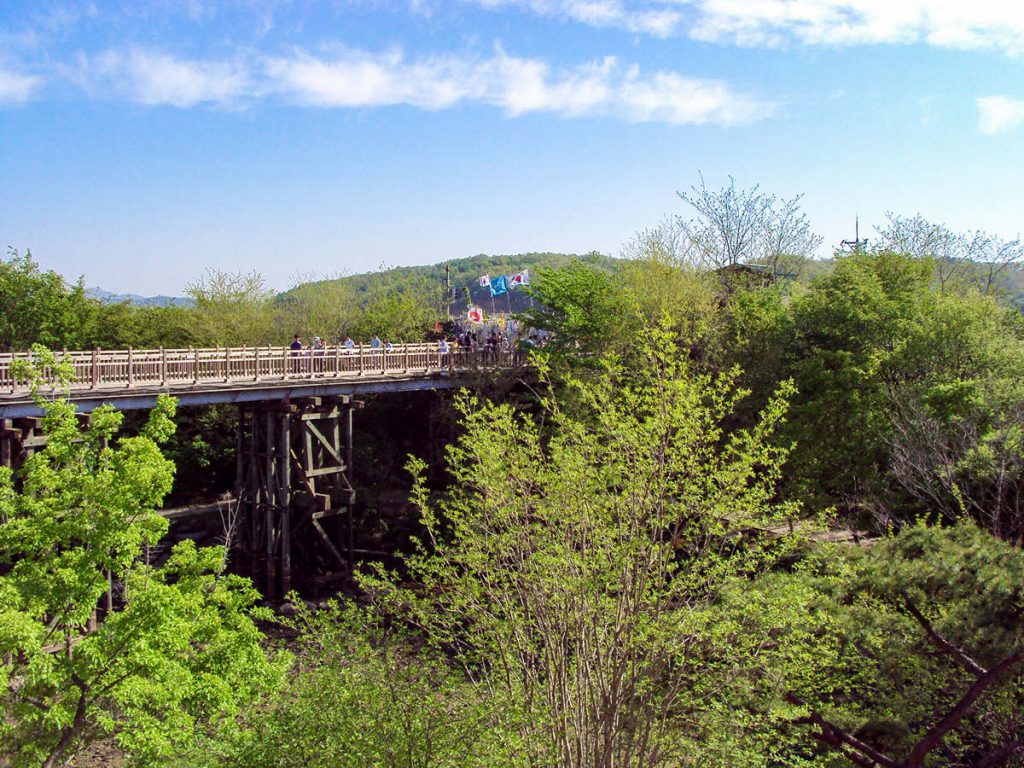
pixel 132 378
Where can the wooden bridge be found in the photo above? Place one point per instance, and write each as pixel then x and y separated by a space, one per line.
pixel 132 378
pixel 293 491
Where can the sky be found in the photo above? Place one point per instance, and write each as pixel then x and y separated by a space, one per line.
pixel 143 142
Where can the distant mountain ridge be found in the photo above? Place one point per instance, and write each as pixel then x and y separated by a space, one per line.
pixel 108 297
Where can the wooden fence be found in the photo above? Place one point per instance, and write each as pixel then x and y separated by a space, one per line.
pixel 127 369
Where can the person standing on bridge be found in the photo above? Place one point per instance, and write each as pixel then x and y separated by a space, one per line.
pixel 349 345
pixel 296 345
pixel 375 344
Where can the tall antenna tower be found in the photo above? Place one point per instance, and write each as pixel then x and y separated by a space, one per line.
pixel 856 244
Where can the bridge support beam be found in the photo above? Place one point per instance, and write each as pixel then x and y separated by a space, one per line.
pixel 295 488
pixel 19 439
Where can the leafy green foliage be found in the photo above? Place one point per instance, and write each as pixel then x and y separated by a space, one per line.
pixel 363 694
pixel 230 310
pixel 884 644
pixel 39 307
pixel 919 384
pixel 565 564
pixel 181 654
pixel 585 308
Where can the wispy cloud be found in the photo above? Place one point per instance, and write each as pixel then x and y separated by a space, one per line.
pixel 1000 114
pixel 992 24
pixel 654 18
pixel 16 88
pixel 156 78
pixel 983 24
pixel 362 79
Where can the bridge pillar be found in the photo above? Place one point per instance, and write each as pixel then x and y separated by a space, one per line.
pixel 294 487
pixel 19 439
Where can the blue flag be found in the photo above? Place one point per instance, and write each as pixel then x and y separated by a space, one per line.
pixel 499 285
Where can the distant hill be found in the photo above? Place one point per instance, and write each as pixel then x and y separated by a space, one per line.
pixel 107 297
pixel 464 275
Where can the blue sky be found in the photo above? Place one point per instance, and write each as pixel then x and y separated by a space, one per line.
pixel 142 142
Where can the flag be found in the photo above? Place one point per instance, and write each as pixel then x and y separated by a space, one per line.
pixel 485 281
pixel 499 285
pixel 475 315
pixel 522 278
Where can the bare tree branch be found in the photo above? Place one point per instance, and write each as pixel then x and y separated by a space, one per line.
pixel 959 710
pixel 863 754
pixel 957 653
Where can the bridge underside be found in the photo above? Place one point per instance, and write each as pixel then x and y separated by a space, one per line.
pixel 294 488
pixel 144 398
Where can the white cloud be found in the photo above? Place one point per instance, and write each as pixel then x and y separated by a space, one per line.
pixel 992 24
pixel 363 79
pixel 671 98
pixel 653 18
pixel 980 24
pixel 999 114
pixel 156 78
pixel 15 88
pixel 517 85
pixel 353 78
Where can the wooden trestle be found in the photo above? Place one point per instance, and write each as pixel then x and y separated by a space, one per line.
pixel 294 487
pixel 19 438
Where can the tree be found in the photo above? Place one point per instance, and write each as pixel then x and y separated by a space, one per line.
pixel 177 650
pixel 904 655
pixel 586 309
pixel 962 259
pixel 565 565
pixel 318 308
pixel 39 307
pixel 123 325
pixel 364 692
pixel 745 226
pixel 956 442
pixel 231 309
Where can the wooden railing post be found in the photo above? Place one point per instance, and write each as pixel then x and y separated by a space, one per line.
pixel 131 368
pixel 256 373
pixel 163 366
pixel 227 364
pixel 362 362
pixel 95 368
pixel 196 366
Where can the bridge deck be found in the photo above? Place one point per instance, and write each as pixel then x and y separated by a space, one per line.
pixel 133 378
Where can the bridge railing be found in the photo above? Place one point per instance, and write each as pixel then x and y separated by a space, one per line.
pixel 148 368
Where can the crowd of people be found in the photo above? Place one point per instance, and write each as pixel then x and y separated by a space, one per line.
pixel 319 346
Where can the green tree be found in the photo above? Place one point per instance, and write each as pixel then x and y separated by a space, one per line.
pixel 123 325
pixel 180 654
pixel 566 564
pixel 961 259
pixel 905 655
pixel 586 309
pixel 364 692
pixel 231 309
pixel 399 316
pixel 318 308
pixel 39 307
